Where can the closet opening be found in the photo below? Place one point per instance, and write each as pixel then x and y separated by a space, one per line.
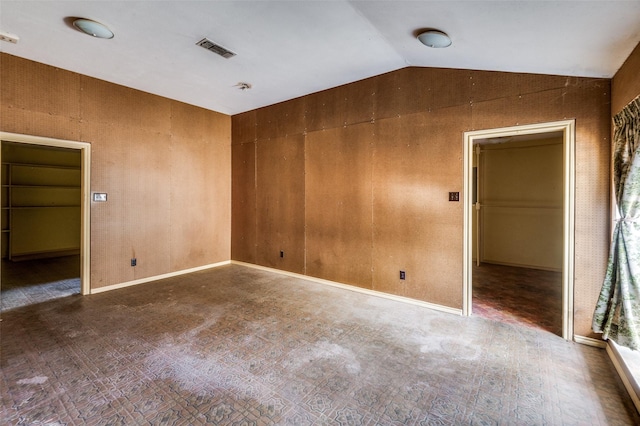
pixel 45 219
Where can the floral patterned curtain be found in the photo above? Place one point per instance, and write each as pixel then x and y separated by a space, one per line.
pixel 617 313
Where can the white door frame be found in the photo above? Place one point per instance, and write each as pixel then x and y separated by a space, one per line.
pixel 567 127
pixel 85 188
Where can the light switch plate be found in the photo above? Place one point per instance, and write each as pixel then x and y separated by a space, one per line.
pixel 99 197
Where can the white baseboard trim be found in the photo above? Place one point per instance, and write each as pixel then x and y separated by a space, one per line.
pixel 589 341
pixel 158 277
pixel 625 375
pixel 433 306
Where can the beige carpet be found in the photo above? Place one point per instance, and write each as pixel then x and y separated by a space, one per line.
pixel 237 346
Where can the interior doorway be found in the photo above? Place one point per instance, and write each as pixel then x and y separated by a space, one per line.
pixel 505 252
pixel 45 217
pixel 517 230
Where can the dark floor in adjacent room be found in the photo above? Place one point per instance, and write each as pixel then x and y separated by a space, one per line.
pixel 239 346
pixel 524 296
pixel 34 281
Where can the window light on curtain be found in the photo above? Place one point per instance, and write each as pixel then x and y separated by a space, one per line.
pixel 617 313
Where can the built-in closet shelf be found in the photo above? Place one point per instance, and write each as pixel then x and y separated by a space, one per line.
pixel 43 207
pixel 39 186
pixel 44 196
pixel 40 208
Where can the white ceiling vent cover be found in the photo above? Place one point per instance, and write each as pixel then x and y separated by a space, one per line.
pixel 215 48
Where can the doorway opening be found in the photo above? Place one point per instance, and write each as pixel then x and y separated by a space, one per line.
pixel 510 225
pixel 45 219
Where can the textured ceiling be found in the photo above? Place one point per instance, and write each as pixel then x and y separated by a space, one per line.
pixel 287 49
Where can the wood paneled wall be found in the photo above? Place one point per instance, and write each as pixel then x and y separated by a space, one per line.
pixel 625 85
pixel 352 183
pixel 165 165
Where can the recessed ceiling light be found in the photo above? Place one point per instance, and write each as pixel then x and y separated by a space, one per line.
pixel 434 38
pixel 93 28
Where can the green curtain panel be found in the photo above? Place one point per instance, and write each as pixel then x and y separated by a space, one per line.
pixel 617 313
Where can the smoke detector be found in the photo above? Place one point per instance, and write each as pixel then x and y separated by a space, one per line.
pixel 10 38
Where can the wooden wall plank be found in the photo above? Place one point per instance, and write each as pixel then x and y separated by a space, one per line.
pixel 625 85
pixel 338 204
pixel 200 214
pixel 39 88
pixel 402 92
pixel 134 221
pixel 280 120
pixel 243 127
pixel 359 102
pixel 26 122
pixel 104 102
pixel 491 85
pixel 243 223
pixel 447 87
pixel 417 161
pixel 325 110
pixel 280 203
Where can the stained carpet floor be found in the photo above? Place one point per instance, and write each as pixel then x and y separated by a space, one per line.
pixel 238 346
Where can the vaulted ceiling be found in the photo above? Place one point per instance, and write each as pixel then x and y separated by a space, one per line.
pixel 287 49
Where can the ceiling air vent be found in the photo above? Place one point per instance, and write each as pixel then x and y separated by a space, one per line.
pixel 215 48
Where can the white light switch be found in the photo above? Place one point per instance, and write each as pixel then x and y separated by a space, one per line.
pixel 99 197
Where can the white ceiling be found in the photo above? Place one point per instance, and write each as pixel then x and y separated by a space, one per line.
pixel 287 49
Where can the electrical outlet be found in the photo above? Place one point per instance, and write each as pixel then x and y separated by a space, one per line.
pixel 454 196
pixel 281 253
pixel 402 275
pixel 134 261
